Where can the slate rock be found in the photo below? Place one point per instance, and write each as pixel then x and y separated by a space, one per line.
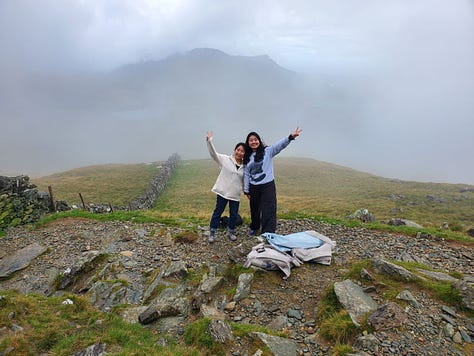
pixel 20 259
pixel 387 317
pixel 354 300
pixel 220 331
pixel 279 346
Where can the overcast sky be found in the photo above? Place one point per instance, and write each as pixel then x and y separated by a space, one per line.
pixel 417 58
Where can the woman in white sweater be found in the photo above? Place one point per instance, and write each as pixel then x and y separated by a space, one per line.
pixel 228 187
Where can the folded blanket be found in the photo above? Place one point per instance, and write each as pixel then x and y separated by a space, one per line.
pixel 267 257
pixel 284 251
pixel 286 243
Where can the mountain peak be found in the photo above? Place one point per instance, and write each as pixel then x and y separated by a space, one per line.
pixel 207 52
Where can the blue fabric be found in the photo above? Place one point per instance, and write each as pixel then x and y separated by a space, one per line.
pixel 286 243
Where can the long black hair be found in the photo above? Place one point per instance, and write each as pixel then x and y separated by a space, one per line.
pixel 260 150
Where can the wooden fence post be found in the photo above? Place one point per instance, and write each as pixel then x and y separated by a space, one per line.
pixel 82 200
pixel 52 208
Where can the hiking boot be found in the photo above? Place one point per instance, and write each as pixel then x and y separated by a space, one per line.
pixel 212 236
pixel 231 235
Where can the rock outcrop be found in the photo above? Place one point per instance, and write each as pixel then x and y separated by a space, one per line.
pixel 20 202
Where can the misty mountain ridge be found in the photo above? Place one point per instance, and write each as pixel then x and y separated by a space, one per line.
pixel 147 110
pixel 199 76
pixel 207 83
pixel 211 61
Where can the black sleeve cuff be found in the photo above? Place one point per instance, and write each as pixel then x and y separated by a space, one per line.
pixel 291 138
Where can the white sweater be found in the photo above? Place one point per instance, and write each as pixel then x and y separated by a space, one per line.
pixel 229 183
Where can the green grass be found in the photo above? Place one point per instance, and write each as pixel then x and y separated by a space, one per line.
pixel 189 190
pixel 116 184
pixel 306 188
pixel 336 324
pixel 309 188
pixel 50 327
pixel 196 334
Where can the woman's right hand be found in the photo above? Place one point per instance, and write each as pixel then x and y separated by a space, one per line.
pixel 209 135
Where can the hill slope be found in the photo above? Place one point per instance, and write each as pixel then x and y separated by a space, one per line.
pixel 304 186
pixel 116 184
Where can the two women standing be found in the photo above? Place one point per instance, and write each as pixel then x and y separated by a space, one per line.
pixel 258 182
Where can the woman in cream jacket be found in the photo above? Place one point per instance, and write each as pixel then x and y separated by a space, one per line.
pixel 228 187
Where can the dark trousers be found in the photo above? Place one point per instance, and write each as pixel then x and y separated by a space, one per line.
pixel 263 205
pixel 221 203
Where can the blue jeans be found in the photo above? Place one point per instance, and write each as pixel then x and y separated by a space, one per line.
pixel 221 203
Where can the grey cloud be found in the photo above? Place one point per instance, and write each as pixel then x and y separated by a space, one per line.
pixel 398 79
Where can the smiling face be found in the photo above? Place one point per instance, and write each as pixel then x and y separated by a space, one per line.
pixel 239 153
pixel 253 142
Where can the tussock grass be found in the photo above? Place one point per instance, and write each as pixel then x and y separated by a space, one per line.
pixel 336 324
pixel 186 237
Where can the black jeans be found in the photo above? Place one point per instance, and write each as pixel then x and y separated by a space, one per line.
pixel 263 205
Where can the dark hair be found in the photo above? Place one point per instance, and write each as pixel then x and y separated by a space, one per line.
pixel 240 144
pixel 260 150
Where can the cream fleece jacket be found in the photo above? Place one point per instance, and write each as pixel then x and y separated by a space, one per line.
pixel 229 183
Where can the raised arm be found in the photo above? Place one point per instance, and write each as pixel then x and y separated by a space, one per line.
pixel 212 150
pixel 284 142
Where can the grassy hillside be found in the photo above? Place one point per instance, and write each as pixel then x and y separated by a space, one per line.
pixel 117 184
pixel 305 187
pixel 313 188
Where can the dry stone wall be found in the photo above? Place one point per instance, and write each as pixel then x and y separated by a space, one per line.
pixel 21 203
pixel 157 184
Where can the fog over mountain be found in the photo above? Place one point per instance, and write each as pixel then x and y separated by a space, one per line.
pixel 382 88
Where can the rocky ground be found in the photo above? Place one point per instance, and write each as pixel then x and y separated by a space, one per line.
pixel 292 303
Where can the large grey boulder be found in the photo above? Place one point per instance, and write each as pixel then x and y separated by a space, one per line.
pixel 279 346
pixel 466 291
pixel 175 269
pixel 80 270
pixel 20 259
pixel 170 302
pixel 243 286
pixel 207 288
pixel 354 300
pixel 107 294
